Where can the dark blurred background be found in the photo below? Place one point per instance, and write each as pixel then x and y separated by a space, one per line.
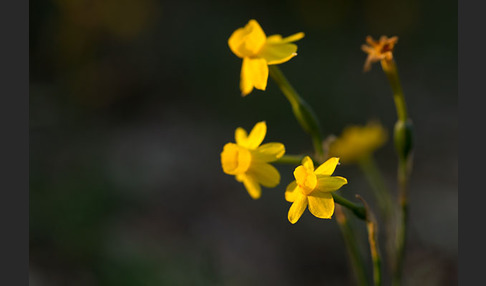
pixel 131 103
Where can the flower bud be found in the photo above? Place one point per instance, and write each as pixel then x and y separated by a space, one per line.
pixel 404 138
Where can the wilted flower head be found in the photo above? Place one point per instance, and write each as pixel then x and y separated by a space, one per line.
pixel 378 50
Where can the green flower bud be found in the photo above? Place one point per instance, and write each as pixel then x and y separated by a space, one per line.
pixel 404 138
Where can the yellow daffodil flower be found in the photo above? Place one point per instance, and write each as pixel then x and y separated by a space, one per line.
pixel 378 50
pixel 357 142
pixel 258 51
pixel 313 188
pixel 248 161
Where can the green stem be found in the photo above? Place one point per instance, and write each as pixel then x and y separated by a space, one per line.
pixel 372 227
pixel 302 111
pixel 290 159
pixel 376 181
pixel 402 225
pixel 375 252
pixel 385 203
pixel 404 146
pixel 355 257
pixel 359 211
pixel 391 71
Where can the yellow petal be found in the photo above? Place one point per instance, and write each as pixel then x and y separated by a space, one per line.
pixel 278 38
pixel 321 204
pixel 328 167
pixel 254 74
pixel 294 37
pixel 278 53
pixel 247 41
pixel 257 135
pixel 297 208
pixel 241 137
pixel 265 174
pixel 292 192
pixel 308 164
pixel 251 185
pixel 277 50
pixel 330 184
pixel 270 152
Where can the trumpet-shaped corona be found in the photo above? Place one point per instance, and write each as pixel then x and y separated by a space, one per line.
pixel 258 51
pixel 249 161
pixel 313 188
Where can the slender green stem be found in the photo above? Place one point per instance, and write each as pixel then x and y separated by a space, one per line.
pixel 290 159
pixel 302 111
pixel 294 160
pixel 356 258
pixel 404 147
pixel 385 202
pixel 372 227
pixel 391 71
pixel 377 183
pixel 359 211
pixel 375 252
pixel 402 225
pixel 374 249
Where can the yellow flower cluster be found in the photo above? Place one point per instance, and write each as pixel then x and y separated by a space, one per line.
pixel 248 161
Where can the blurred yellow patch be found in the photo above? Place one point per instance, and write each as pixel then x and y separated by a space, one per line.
pixel 357 142
pixel 313 188
pixel 258 51
pixel 248 161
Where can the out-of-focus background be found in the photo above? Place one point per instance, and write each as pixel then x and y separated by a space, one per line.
pixel 131 103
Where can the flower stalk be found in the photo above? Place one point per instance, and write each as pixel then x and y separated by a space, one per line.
pixel 404 147
pixel 357 262
pixel 290 159
pixel 372 227
pixel 302 111
pixel 377 183
pixel 390 69
pixel 359 211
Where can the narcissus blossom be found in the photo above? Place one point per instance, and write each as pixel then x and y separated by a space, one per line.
pixel 378 50
pixel 258 51
pixel 357 142
pixel 248 161
pixel 313 188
